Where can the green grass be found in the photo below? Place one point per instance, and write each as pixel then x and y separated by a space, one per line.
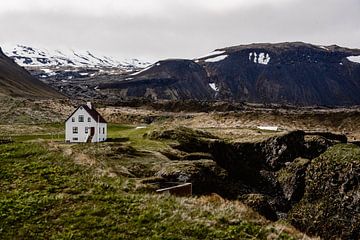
pixel 26 132
pixel 342 153
pixel 45 195
pixel 135 136
pixel 55 131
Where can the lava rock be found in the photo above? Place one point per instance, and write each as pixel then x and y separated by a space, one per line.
pixel 292 179
pixel 260 203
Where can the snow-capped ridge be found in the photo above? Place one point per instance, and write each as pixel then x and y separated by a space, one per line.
pixel 34 57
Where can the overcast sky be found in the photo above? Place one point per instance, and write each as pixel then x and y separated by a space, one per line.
pixel 158 29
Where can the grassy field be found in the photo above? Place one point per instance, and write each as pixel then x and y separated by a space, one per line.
pixel 52 190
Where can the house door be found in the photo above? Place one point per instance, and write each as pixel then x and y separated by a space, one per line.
pixel 91 135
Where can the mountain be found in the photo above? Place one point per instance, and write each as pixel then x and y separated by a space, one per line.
pixel 289 73
pixel 34 57
pixel 285 73
pixel 73 73
pixel 17 82
pixel 44 63
pixel 168 79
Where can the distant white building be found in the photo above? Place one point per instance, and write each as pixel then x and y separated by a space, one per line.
pixel 85 124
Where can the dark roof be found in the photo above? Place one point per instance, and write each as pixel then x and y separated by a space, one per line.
pixel 93 113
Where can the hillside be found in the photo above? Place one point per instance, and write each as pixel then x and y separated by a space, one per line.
pixel 169 79
pixel 17 82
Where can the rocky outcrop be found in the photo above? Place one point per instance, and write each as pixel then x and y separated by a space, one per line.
pixel 292 179
pixel 309 178
pixel 245 161
pixel 330 206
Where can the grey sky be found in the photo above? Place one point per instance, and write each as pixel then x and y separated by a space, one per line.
pixel 157 29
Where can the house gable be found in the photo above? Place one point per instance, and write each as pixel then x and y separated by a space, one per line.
pixel 95 115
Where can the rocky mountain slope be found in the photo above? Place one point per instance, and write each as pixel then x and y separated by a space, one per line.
pixel 285 73
pixel 17 82
pixel 169 79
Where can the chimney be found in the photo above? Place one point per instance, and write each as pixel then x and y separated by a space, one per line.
pixel 89 105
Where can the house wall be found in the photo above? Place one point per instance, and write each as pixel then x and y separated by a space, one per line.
pixel 81 136
pixel 102 132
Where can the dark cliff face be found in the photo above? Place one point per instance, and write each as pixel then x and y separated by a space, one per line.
pixel 17 82
pixel 169 79
pixel 286 73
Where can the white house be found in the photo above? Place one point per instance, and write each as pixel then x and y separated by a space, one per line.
pixel 85 124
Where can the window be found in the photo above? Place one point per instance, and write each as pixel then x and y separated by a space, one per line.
pixel 73 119
pixel 75 139
pixel 75 130
pixel 103 130
pixel 81 118
pixel 86 129
pixel 89 119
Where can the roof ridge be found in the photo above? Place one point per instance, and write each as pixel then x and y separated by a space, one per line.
pixel 91 111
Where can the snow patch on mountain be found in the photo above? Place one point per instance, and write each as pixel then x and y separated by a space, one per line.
pixel 323 47
pixel 261 58
pixel 217 58
pixel 355 59
pixel 143 70
pixel 214 87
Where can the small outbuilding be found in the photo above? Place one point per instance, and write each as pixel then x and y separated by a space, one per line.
pixel 85 124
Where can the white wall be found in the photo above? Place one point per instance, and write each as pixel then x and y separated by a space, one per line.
pixel 81 136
